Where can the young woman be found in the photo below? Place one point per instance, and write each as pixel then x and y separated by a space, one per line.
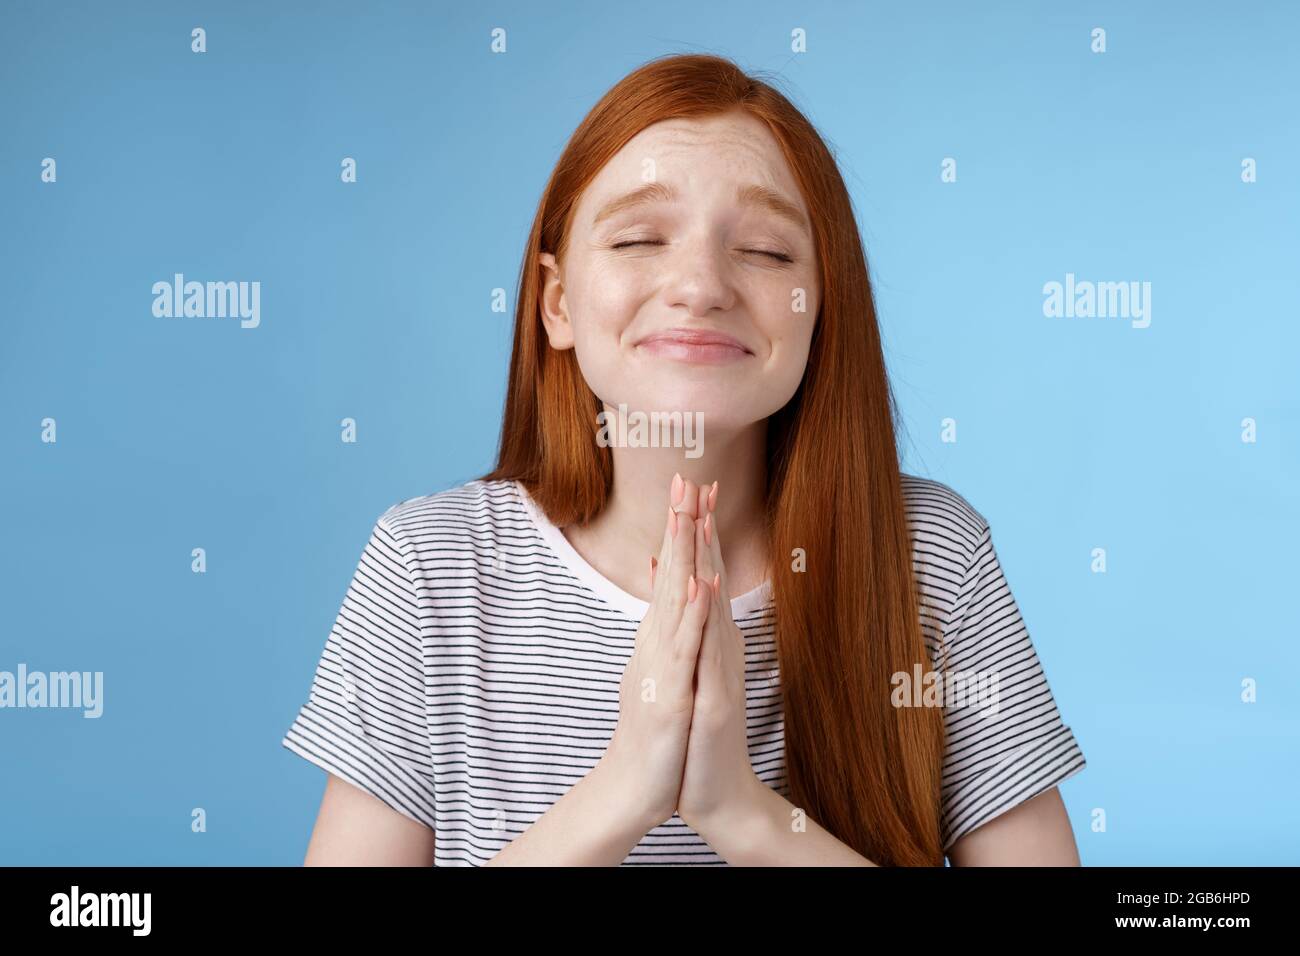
pixel 739 652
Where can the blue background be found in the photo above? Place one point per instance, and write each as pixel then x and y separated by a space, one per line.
pixel 1073 434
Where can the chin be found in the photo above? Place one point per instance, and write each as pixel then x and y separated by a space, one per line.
pixel 703 388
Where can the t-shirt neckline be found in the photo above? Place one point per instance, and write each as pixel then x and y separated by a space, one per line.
pixel 611 593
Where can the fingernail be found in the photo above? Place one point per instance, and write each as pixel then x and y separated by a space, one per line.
pixel 654 563
pixel 679 488
pixel 713 496
pixel 717 582
pixel 691 588
pixel 708 528
pixel 672 522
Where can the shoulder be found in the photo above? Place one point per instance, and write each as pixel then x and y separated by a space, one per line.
pixel 449 540
pixel 940 518
pixel 473 508
pixel 948 533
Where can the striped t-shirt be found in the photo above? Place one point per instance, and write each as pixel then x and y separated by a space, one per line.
pixel 472 675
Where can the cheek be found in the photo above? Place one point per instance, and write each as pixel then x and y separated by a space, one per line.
pixel 788 331
pixel 786 320
pixel 602 310
pixel 607 303
pixel 785 370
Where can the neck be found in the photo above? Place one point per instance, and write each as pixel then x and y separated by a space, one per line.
pixel 619 541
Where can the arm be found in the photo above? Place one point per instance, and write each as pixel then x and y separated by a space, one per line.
pixel 760 832
pixel 1035 833
pixel 589 826
pixel 354 828
pixel 597 823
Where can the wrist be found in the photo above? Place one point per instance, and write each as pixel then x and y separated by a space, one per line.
pixel 743 824
pixel 618 789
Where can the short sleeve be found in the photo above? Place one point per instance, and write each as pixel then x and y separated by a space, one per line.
pixel 365 719
pixel 1006 742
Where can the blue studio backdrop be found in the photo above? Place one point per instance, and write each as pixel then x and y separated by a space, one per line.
pixel 991 149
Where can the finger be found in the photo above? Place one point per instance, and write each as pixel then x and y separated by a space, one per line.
pixel 659 565
pixel 686 642
pixel 681 567
pixel 690 503
pixel 735 646
pixel 676 495
pixel 665 548
pixel 710 667
pixel 722 659
pixel 719 569
pixel 704 567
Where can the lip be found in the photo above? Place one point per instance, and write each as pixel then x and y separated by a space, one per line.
pixel 694 345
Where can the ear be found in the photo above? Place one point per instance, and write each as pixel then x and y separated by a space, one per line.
pixel 555 311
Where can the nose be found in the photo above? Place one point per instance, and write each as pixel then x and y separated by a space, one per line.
pixel 699 279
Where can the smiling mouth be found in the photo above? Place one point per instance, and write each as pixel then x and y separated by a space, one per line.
pixel 704 348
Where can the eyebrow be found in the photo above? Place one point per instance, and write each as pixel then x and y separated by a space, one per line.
pixel 751 195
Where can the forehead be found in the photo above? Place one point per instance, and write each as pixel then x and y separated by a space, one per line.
pixel 697 154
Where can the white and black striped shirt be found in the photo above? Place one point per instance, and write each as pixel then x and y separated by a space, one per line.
pixel 472 675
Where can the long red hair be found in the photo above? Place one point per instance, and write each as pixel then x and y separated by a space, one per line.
pixel 865 770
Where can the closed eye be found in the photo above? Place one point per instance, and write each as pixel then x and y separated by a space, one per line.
pixel 778 256
pixel 636 242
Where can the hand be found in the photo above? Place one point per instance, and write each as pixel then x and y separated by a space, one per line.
pixel 718 778
pixel 648 749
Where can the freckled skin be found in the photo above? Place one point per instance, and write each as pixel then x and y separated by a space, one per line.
pixel 702 264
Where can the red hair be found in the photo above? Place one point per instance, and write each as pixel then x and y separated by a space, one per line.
pixel 867 771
